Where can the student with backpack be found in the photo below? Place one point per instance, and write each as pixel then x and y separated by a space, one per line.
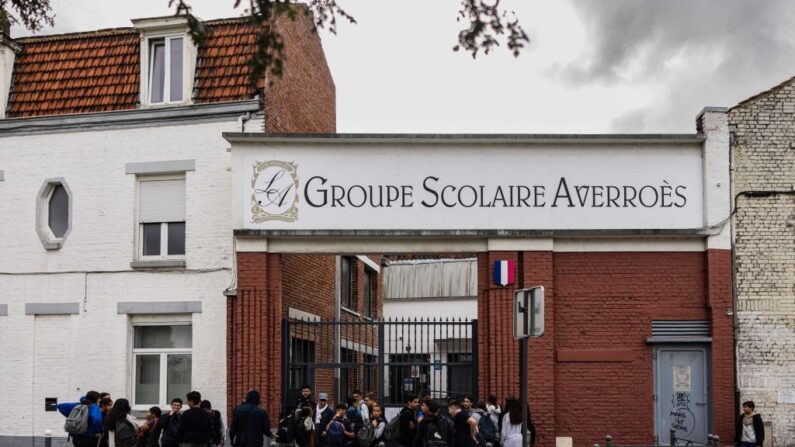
pixel 120 426
pixel 250 423
pixel 218 430
pixel 354 415
pixel 285 432
pixel 338 432
pixel 361 405
pixel 83 420
pixel 407 422
pixel 494 410
pixel 486 427
pixel 170 422
pixel 465 427
pixel 432 431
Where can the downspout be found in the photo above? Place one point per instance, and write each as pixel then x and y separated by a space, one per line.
pixel 241 121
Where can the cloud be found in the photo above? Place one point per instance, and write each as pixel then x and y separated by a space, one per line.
pixel 685 54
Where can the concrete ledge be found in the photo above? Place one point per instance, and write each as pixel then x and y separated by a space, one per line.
pixel 52 308
pixel 677 339
pixel 3 310
pixel 595 355
pixel 159 307
pixel 158 167
pixel 158 264
pixel 190 114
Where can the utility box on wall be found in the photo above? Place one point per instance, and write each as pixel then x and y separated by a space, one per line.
pixel 50 403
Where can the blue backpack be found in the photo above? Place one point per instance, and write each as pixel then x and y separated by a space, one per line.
pixel 335 434
pixel 486 428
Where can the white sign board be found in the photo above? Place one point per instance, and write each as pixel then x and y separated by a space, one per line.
pixel 467 187
pixel 528 312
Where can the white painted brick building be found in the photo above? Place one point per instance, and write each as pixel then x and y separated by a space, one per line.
pixel 763 167
pixel 65 355
pixel 115 207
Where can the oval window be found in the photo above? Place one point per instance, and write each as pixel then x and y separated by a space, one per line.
pixel 58 211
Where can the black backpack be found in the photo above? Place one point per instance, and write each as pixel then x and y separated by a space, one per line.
pixel 437 433
pixel 124 434
pixel 286 432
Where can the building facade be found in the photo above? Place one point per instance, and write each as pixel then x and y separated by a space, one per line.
pixel 115 184
pixel 628 234
pixel 763 182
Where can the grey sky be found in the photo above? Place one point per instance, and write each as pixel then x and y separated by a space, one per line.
pixel 592 66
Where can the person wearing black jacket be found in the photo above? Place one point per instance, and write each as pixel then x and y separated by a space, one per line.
pixel 169 423
pixel 432 431
pixel 195 426
pixel 749 430
pixel 217 434
pixel 250 423
pixel 305 399
pixel 408 421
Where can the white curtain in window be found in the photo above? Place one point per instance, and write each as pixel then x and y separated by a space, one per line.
pixel 162 201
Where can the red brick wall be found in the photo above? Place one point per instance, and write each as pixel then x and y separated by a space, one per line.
pixel 254 331
pixel 592 372
pixel 303 100
pixel 719 296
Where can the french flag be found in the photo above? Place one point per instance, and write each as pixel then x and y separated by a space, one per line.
pixel 504 272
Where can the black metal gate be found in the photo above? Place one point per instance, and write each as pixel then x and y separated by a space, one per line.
pixel 392 359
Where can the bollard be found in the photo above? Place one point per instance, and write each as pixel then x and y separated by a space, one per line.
pixel 716 441
pixel 608 441
pixel 596 445
pixel 47 438
pixel 673 437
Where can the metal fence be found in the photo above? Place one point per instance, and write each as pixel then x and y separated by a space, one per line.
pixel 711 441
pixel 392 358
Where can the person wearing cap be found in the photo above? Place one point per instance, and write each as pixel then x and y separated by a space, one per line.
pixel 323 415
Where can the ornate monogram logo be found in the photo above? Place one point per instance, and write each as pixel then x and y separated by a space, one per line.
pixel 275 191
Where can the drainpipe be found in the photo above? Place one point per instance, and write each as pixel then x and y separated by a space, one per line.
pixel 242 119
pixel 337 317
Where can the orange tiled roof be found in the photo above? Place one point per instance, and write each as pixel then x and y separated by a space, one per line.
pixel 222 71
pixel 99 71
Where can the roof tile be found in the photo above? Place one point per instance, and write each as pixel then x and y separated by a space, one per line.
pixel 98 71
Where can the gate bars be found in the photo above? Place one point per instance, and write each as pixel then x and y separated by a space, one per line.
pixel 391 358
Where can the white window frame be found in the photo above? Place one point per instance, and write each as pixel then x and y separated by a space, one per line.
pixel 48 239
pixel 164 352
pixel 167 68
pixel 139 232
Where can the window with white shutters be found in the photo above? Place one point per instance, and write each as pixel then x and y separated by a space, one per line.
pixel 161 217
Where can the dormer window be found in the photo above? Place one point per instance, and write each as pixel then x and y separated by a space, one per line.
pixel 166 69
pixel 168 61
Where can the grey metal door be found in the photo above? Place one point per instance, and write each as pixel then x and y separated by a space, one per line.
pixel 682 393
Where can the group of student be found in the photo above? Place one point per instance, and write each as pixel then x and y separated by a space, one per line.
pixel 99 421
pixel 360 422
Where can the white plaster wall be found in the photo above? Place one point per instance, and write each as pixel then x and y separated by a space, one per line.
pixel 93 164
pixel 65 356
